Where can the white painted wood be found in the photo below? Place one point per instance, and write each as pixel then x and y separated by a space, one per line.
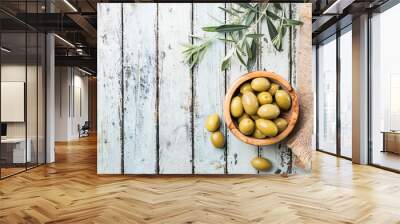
pixel 175 88
pixel 180 116
pixel 271 59
pixel 140 88
pixel 209 91
pixel 278 62
pixel 239 154
pixel 109 84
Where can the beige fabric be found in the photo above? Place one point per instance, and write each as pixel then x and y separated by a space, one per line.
pixel 301 140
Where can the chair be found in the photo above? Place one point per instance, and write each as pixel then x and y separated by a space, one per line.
pixel 84 130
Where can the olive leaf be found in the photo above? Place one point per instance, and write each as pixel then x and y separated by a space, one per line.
pixel 292 22
pixel 277 6
pixel 272 15
pixel 236 10
pixel 271 29
pixel 227 60
pixel 247 6
pixel 238 54
pixel 229 11
pixel 194 53
pixel 250 18
pixel 255 35
pixel 226 40
pixel 241 31
pixel 252 55
pixel 225 28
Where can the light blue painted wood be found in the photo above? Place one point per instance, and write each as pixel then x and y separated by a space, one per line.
pixel 185 99
pixel 209 92
pixel 239 153
pixel 278 62
pixel 109 85
pixel 175 88
pixel 140 88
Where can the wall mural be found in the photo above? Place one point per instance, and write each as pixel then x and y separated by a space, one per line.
pixel 166 70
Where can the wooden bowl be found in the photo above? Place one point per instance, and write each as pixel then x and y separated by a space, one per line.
pixel 291 116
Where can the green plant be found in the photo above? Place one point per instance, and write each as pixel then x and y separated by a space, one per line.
pixel 242 32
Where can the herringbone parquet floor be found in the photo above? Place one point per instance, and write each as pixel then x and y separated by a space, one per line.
pixel 69 191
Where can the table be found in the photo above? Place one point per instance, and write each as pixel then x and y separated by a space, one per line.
pixel 391 141
pixel 13 150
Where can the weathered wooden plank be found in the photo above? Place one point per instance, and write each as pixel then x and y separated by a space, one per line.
pixel 278 62
pixel 109 80
pixel 239 154
pixel 302 80
pixel 140 88
pixel 209 91
pixel 175 88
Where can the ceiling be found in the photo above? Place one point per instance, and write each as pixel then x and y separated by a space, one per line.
pixel 75 23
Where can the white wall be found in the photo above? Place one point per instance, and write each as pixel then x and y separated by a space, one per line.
pixel 70 83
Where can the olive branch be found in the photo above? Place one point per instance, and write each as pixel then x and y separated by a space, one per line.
pixel 241 31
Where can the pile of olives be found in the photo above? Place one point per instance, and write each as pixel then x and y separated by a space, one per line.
pixel 257 107
pixel 212 125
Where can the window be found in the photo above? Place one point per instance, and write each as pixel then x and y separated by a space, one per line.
pixel 22 77
pixel 327 96
pixel 346 93
pixel 334 109
pixel 385 89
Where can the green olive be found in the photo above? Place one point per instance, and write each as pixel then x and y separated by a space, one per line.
pixel 245 87
pixel 261 164
pixel 264 98
pixel 283 99
pixel 281 124
pixel 260 84
pixel 268 111
pixel 250 102
pixel 258 134
pixel 267 127
pixel 236 107
pixel 246 126
pixel 243 117
pixel 217 139
pixel 274 87
pixel 212 122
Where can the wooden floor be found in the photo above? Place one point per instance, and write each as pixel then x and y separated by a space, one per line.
pixel 5 172
pixel 69 191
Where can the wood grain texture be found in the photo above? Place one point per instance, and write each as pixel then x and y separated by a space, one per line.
pixel 140 88
pixel 70 191
pixel 154 66
pixel 209 91
pixel 279 62
pixel 109 78
pixel 239 154
pixel 175 101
